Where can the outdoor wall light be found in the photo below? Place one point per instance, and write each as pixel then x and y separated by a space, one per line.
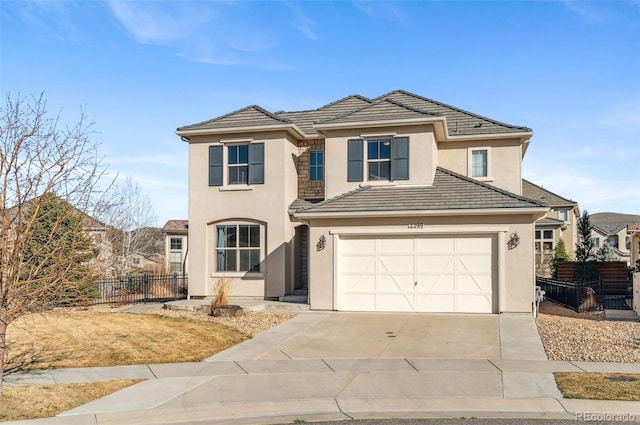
pixel 514 240
pixel 321 243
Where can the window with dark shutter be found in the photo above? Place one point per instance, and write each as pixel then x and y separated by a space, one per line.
pixel 215 165
pixel 256 163
pixel 354 160
pixel 400 160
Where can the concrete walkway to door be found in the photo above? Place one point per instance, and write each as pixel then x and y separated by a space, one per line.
pixel 326 365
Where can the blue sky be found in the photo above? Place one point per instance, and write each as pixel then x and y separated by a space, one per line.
pixel 570 70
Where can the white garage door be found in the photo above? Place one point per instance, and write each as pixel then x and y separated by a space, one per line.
pixel 424 274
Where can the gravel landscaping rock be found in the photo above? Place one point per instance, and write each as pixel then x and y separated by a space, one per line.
pixel 586 337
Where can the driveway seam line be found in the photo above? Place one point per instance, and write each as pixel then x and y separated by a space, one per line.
pixel 329 366
pixel 241 368
pixel 584 370
pixel 152 372
pixel 494 365
pixel 340 409
pixel 404 325
pixel 412 365
pixel 346 384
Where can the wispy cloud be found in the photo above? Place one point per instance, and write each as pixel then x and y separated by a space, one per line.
pixel 160 22
pixel 302 22
pixel 219 33
pixel 52 19
pixel 383 10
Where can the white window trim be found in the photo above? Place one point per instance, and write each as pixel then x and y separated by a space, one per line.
pixel 489 176
pixel 263 240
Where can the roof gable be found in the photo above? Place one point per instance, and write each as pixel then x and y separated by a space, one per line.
pixel 251 116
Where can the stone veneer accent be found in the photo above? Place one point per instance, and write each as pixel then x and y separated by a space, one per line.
pixel 306 188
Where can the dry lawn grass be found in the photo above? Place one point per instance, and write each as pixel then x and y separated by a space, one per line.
pixel 76 338
pixel 43 401
pixel 599 386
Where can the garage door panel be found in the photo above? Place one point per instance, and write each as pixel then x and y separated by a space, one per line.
pixel 475 263
pixel 359 283
pixel 358 264
pixel 436 283
pixel 435 263
pixel 396 245
pixel 395 263
pixel 475 283
pixel 395 283
pixel 424 274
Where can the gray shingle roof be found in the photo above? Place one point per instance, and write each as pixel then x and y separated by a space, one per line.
pixel 459 122
pixel 253 116
pixel 450 191
pixel 548 221
pixel 386 108
pixel 611 223
pixel 544 196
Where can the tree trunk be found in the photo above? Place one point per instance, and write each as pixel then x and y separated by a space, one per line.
pixel 3 346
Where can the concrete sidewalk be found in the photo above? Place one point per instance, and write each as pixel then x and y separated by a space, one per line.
pixel 257 382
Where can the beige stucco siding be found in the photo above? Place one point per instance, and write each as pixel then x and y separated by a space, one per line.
pixel 514 272
pixel 265 204
pixel 422 156
pixel 505 157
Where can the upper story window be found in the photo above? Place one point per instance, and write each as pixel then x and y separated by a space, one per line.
pixel 563 215
pixel 613 241
pixel 595 241
pixel 387 159
pixel 176 243
pixel 479 163
pixel 379 159
pixel 316 165
pixel 238 164
pixel 245 164
pixel 238 248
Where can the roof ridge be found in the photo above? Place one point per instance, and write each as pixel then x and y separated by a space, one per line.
pixel 490 187
pixel 453 108
pixel 237 111
pixel 377 102
pixel 335 102
pixel 548 191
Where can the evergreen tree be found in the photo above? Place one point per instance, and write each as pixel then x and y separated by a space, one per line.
pixel 58 249
pixel 559 255
pixel 584 247
pixel 606 253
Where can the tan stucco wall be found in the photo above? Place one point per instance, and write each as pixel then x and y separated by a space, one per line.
pixel 422 157
pixel 266 204
pixel 168 250
pixel 505 161
pixel 518 280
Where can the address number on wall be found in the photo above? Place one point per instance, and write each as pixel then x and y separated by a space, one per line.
pixel 415 225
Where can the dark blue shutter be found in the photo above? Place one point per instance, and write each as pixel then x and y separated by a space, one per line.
pixel 400 159
pixel 256 163
pixel 354 160
pixel 215 165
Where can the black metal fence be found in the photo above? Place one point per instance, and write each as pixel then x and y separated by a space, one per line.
pixel 583 296
pixel 140 288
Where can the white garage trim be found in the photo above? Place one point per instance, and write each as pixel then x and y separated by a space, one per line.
pixel 497 257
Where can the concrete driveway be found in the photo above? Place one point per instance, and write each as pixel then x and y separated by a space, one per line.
pixel 396 335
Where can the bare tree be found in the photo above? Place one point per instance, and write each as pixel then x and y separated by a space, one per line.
pixel 40 161
pixel 131 221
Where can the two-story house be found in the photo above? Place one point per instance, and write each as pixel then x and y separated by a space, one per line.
pixel 561 222
pixel 176 245
pixel 398 203
pixel 611 229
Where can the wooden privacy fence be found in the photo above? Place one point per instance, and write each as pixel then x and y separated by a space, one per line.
pixel 611 270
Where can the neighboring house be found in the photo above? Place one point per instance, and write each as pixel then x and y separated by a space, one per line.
pixel 611 228
pixel 176 234
pixel 398 203
pixel 559 223
pixel 141 262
